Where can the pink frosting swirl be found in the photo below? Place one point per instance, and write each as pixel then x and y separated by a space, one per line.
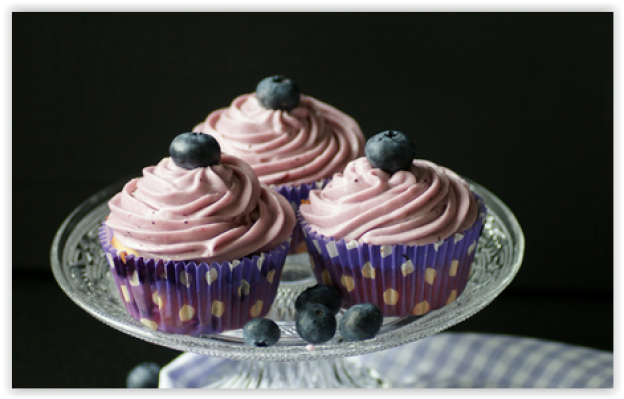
pixel 212 214
pixel 309 143
pixel 420 206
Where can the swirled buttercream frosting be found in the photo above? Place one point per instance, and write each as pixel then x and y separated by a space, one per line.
pixel 423 205
pixel 211 214
pixel 309 143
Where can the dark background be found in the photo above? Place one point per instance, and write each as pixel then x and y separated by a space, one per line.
pixel 522 103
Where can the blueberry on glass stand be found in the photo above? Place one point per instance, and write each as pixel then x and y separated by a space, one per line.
pixel 390 151
pixel 145 375
pixel 261 332
pixel 278 93
pixel 195 150
pixel 360 322
pixel 323 294
pixel 316 323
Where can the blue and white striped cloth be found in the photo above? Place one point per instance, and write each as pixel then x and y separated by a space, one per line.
pixel 454 360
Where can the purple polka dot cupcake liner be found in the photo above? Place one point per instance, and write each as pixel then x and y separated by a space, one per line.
pixel 402 280
pixel 192 298
pixel 294 195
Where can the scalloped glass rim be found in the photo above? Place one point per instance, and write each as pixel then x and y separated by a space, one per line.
pixel 476 296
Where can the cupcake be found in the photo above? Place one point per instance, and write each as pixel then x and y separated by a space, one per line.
pixel 291 140
pixel 393 231
pixel 197 244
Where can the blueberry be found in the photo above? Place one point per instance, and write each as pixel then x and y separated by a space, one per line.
pixel 261 332
pixel 390 151
pixel 361 321
pixel 195 150
pixel 323 294
pixel 278 92
pixel 145 375
pixel 316 323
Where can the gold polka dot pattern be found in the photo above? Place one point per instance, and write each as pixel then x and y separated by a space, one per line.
pixel 390 296
pixel 211 275
pixel 421 308
pixel 186 312
pixel 157 300
pixel 256 309
pixel 185 278
pixel 271 276
pixel 234 263
pixel 386 250
pixel 430 275
pixel 452 297
pixel 453 269
pixel 407 268
pixel 472 247
pixel 218 308
pixel 134 279
pixel 244 288
pixel 125 293
pixel 152 325
pixel 347 282
pixel 368 271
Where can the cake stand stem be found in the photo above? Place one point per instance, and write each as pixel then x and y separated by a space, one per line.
pixel 333 373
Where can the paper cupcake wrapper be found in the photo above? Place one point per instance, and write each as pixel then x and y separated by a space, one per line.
pixel 294 195
pixel 402 280
pixel 190 298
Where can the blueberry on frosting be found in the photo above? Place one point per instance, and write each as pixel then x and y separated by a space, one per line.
pixel 390 151
pixel 278 92
pixel 195 150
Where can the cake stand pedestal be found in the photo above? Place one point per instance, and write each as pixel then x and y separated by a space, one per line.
pixel 81 270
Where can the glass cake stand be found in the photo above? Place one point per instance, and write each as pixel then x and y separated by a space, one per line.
pixel 81 269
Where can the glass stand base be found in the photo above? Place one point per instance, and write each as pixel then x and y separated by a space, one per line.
pixel 333 373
